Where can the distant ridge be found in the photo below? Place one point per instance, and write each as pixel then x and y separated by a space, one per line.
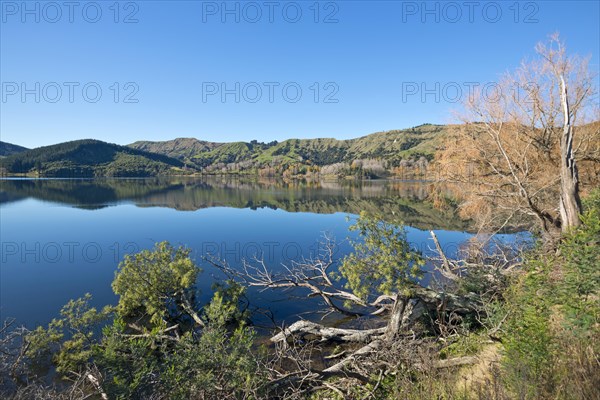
pixel 389 148
pixel 7 149
pixel 378 155
pixel 89 158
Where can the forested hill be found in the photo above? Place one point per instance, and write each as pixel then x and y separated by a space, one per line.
pixel 89 158
pixel 7 149
pixel 378 153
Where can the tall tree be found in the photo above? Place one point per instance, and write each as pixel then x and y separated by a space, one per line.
pixel 517 154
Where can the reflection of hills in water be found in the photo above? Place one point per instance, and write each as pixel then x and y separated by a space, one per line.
pixel 400 199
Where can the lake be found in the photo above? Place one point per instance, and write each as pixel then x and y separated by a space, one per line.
pixel 61 239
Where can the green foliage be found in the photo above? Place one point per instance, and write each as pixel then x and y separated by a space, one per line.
pixel 218 364
pixel 224 307
pixel 155 283
pixel 130 365
pixel 392 146
pixel 580 258
pixel 529 346
pixel 69 339
pixel 464 345
pixel 551 336
pixel 145 359
pixel 43 343
pixel 180 148
pixel 382 261
pixel 226 153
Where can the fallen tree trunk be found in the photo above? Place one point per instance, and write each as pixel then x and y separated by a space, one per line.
pixel 449 301
pixel 405 313
pixel 304 328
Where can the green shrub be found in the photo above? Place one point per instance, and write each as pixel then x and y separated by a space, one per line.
pixel 551 341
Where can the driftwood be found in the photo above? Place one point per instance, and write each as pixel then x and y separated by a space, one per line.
pixel 447 268
pixel 327 333
pixel 363 351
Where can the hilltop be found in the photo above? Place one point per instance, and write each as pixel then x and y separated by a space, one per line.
pixel 7 149
pixel 89 158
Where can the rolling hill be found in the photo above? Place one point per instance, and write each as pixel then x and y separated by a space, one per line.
pixel 376 155
pixel 7 149
pixel 89 158
pixel 388 149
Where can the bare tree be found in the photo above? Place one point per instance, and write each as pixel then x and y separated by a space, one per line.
pixel 517 155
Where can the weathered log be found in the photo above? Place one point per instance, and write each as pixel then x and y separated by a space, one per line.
pixel 450 301
pixel 96 383
pixel 395 322
pixel 404 313
pixel 327 333
pixel 446 269
pixel 415 309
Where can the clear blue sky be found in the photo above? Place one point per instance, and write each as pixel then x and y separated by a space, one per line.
pixel 176 50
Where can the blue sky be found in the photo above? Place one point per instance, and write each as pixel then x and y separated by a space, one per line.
pixel 171 60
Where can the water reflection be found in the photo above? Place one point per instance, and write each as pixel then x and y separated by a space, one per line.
pixel 403 200
pixel 63 238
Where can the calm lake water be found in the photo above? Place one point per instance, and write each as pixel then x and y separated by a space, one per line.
pixel 61 239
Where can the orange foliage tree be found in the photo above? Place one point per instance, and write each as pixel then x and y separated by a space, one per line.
pixel 516 156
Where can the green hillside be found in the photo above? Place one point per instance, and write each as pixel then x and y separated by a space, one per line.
pixel 180 148
pixel 378 153
pixel 7 149
pixel 226 153
pixel 89 158
pixel 422 140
